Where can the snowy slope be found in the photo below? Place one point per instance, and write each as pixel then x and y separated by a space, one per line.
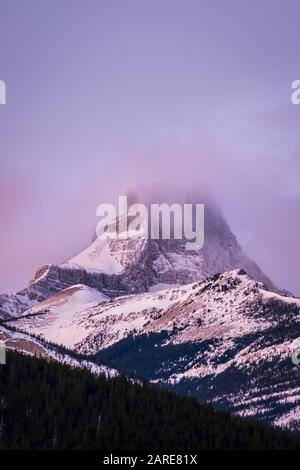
pixel 78 315
pixel 226 338
pixel 110 257
pixel 66 320
pixel 63 313
pixel 13 305
pixel 33 346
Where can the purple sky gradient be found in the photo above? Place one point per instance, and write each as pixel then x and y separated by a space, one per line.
pixel 104 94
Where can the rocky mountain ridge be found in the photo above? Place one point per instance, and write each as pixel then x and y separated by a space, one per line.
pixel 226 339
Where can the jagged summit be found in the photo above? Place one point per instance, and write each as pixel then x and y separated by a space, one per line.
pixel 167 261
pixel 118 267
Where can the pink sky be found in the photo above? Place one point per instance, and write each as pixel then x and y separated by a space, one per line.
pixel 102 95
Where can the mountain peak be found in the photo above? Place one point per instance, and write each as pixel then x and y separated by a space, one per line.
pixel 123 266
pixel 150 262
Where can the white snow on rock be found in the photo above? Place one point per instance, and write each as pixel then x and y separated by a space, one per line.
pixel 84 319
pixel 220 312
pixel 62 314
pixel 32 346
pixel 106 256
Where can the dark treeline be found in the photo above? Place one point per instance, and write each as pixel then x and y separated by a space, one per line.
pixel 46 405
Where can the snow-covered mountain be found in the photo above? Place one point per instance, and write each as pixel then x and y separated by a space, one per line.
pixel 120 267
pixel 193 321
pixel 227 339
pixel 64 313
pixel 33 346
